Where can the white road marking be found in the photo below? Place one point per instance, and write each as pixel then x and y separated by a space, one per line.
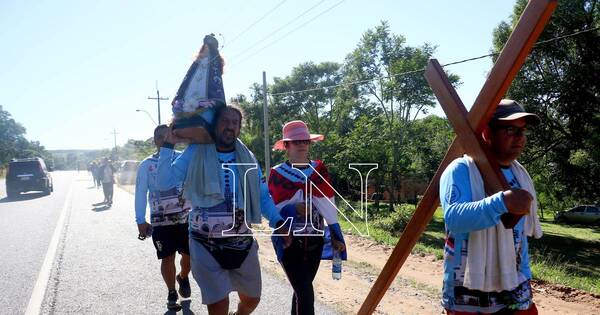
pixel 39 290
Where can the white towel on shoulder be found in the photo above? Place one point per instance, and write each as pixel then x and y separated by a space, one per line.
pixel 203 182
pixel 491 259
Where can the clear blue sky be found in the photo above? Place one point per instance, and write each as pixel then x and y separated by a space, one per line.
pixel 71 71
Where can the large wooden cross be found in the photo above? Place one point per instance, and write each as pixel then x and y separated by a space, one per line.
pixel 468 127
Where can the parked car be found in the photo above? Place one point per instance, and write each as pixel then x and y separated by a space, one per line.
pixel 127 172
pixel 27 175
pixel 580 214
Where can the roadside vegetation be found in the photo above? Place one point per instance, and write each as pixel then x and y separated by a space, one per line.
pixel 567 254
pixel 374 106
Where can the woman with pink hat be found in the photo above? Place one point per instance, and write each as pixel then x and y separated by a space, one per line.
pixel 308 207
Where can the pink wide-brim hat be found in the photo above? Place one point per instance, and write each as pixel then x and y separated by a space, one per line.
pixel 296 130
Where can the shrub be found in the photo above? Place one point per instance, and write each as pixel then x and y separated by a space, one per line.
pixel 397 220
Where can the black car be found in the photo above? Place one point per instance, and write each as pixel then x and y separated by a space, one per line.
pixel 27 175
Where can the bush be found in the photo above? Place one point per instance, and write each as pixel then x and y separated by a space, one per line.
pixel 397 220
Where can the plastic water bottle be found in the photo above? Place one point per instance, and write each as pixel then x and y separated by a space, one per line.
pixel 336 265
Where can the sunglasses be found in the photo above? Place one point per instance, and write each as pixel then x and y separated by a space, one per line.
pixel 299 142
pixel 512 130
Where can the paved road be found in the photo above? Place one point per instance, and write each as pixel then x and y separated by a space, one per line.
pixel 100 267
pixel 26 226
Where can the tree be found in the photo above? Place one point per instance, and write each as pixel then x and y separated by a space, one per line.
pixel 365 143
pixel 137 149
pixel 318 106
pixel 429 140
pixel 561 83
pixel 380 61
pixel 252 133
pixel 13 143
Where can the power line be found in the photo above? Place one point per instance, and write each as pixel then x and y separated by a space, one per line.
pixel 469 59
pixel 257 21
pixel 350 83
pixel 536 45
pixel 235 10
pixel 292 31
pixel 244 51
pixel 423 69
pixel 568 35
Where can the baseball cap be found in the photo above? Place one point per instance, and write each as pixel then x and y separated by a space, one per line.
pixel 511 110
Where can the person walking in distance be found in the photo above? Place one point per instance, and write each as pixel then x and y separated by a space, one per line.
pixel 95 174
pixel 107 176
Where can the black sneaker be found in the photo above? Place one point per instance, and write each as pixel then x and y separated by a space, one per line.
pixel 172 301
pixel 184 287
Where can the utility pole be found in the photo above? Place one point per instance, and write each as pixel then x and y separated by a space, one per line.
pixel 114 133
pixel 158 99
pixel 266 127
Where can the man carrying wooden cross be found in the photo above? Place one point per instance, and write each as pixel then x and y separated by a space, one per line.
pixel 486 266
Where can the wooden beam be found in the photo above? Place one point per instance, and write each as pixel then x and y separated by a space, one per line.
pixel 528 29
pixel 513 55
pixel 471 143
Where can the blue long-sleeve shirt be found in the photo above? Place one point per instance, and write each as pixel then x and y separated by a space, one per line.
pixel 171 171
pixel 165 208
pixel 463 215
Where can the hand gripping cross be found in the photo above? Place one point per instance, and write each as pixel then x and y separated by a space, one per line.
pixel 468 127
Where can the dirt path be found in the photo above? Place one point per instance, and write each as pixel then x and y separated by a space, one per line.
pixel 416 289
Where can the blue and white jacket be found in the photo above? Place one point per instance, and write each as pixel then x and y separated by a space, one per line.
pixel 167 206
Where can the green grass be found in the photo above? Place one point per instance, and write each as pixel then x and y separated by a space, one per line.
pixel 566 255
pixel 580 232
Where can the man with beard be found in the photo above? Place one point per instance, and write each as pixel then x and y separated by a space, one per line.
pixel 223 260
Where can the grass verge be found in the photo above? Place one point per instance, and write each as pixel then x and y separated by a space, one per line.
pixel 567 255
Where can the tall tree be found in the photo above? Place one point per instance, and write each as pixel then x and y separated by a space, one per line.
pixel 315 107
pixel 380 61
pixel 364 108
pixel 430 138
pixel 561 83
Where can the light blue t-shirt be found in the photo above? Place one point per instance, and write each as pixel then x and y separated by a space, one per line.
pixel 167 206
pixel 463 215
pixel 176 171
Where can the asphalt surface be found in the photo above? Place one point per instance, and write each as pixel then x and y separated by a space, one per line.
pixel 27 224
pixel 100 266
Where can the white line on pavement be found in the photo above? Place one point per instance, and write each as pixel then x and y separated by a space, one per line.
pixel 39 290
